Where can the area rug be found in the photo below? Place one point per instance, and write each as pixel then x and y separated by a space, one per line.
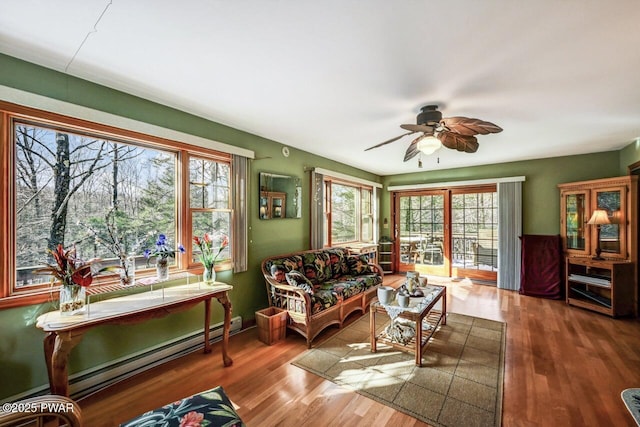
pixel 459 384
pixel 631 398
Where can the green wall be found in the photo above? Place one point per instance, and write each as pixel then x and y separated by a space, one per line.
pixel 540 195
pixel 629 155
pixel 21 357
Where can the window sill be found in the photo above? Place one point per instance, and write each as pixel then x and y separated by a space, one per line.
pixel 104 285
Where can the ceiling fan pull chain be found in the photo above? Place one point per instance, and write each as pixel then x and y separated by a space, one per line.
pixel 420 161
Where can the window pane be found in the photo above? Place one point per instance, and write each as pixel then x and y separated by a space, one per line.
pixel 475 231
pixel 67 183
pixel 367 215
pixel 217 224
pixel 343 213
pixel 209 184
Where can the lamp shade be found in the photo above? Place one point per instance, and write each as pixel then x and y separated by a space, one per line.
pixel 599 217
pixel 429 144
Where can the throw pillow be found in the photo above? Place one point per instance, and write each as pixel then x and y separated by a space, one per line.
pixel 278 273
pixel 358 264
pixel 295 278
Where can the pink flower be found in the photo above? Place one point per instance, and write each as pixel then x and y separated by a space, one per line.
pixel 191 419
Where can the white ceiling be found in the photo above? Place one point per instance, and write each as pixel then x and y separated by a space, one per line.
pixel 334 77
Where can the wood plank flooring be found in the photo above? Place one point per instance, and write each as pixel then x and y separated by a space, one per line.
pixel 564 366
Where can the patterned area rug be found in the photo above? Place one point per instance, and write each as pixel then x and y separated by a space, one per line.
pixel 631 398
pixel 459 384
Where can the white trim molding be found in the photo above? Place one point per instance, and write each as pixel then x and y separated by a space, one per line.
pixel 52 105
pixel 327 172
pixel 455 183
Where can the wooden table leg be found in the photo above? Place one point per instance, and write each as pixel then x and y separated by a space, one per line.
pixel 226 304
pixel 207 325
pixel 49 343
pixel 57 347
pixel 372 328
pixel 419 341
pixel 444 306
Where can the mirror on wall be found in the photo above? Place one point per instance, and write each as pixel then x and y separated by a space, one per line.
pixel 280 196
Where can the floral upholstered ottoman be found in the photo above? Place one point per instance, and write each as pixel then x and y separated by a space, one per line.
pixel 209 408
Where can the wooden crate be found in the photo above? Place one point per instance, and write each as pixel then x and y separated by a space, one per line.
pixel 272 324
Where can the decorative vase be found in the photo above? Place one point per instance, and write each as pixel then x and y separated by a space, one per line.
pixel 413 281
pixel 162 269
pixel 209 275
pixel 73 299
pixel 128 271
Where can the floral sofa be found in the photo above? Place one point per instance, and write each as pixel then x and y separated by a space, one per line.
pixel 319 288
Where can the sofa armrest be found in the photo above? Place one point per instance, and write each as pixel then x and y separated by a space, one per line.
pixel 291 298
pixel 377 269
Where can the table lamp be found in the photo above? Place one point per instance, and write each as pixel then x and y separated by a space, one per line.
pixel 598 218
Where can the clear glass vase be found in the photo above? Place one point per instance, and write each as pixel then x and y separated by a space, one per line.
pixel 162 269
pixel 73 300
pixel 128 271
pixel 209 275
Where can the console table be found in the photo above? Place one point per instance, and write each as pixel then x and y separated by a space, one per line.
pixel 64 332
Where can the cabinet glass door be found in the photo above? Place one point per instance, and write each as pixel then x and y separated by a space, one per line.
pixel 575 218
pixel 611 235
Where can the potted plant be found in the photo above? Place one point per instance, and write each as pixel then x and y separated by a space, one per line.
pixel 162 253
pixel 74 275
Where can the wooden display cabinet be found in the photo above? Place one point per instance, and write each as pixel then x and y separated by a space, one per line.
pixel 578 200
pixel 618 240
pixel 604 286
pixel 273 204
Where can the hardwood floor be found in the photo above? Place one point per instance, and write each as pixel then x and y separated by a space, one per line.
pixel 564 367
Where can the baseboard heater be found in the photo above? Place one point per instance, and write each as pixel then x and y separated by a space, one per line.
pixel 91 380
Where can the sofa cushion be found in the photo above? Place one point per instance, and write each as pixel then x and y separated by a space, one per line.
pixel 296 278
pixel 358 264
pixel 338 261
pixel 211 407
pixel 322 299
pixel 316 266
pixel 292 262
pixel 348 286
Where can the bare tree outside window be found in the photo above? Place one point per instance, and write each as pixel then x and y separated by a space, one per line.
pixel 66 183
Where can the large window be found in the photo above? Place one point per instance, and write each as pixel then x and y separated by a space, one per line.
pixel 349 213
pixel 104 191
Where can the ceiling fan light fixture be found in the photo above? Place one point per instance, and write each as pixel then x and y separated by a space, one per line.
pixel 429 144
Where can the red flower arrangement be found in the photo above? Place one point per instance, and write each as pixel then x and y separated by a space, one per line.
pixel 68 268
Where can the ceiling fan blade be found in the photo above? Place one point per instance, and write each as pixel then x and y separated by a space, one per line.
pixel 389 141
pixel 456 141
pixel 418 128
pixel 413 149
pixel 467 126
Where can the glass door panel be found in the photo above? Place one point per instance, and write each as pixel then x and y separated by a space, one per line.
pixel 474 225
pixel 422 233
pixel 575 214
pixel 576 234
pixel 612 241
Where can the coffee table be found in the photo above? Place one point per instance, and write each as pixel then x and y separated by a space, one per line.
pixel 421 311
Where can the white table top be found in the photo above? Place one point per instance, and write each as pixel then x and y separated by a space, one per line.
pixel 102 311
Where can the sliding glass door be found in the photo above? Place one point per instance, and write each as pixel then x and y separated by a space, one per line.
pixel 452 232
pixel 421 231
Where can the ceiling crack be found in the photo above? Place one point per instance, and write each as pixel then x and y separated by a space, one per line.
pixel 95 30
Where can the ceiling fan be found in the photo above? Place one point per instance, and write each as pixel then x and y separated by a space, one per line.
pixel 456 133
